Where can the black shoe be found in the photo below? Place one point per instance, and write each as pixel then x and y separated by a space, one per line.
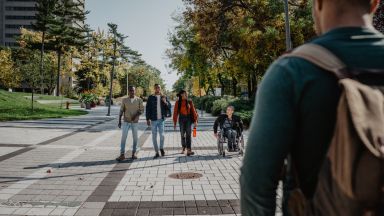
pixel 156 156
pixel 121 158
pixel 162 152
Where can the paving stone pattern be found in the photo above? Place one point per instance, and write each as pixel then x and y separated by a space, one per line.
pixel 75 172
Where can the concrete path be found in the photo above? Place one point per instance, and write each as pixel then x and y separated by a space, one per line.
pixel 67 167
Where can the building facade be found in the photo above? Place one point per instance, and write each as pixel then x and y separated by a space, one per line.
pixel 16 14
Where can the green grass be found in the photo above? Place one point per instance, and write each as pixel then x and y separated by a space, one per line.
pixel 40 96
pixel 15 106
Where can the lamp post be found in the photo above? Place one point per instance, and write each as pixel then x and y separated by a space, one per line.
pixel 288 41
pixel 127 80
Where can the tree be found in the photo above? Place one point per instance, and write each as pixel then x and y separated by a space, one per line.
pixel 44 17
pixel 232 43
pixel 67 31
pixel 28 42
pixel 379 18
pixel 9 76
pixel 118 38
pixel 28 64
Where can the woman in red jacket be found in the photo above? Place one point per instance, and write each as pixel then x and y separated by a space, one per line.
pixel 185 112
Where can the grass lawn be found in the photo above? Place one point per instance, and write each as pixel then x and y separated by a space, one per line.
pixel 15 106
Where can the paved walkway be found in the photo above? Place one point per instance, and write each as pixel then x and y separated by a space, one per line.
pixel 67 167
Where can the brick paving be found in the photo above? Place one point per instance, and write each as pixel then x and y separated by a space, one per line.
pixel 74 172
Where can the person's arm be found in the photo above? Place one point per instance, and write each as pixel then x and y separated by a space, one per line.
pixel 175 114
pixel 271 135
pixel 140 110
pixel 194 113
pixel 241 125
pixel 215 125
pixel 148 111
pixel 121 113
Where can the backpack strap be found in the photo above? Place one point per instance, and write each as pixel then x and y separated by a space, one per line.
pixel 322 58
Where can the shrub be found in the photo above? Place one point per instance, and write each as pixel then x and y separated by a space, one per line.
pixel 246 116
pixel 219 106
pixel 207 103
pixel 242 105
pixel 196 101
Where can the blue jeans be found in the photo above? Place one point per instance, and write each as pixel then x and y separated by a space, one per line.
pixel 125 130
pixel 158 125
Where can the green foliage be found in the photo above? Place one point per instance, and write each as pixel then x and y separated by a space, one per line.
pixel 219 106
pixel 232 43
pixel 88 97
pixel 246 116
pixel 9 76
pixel 379 18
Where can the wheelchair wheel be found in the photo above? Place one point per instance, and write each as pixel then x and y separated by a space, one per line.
pixel 220 146
pixel 241 145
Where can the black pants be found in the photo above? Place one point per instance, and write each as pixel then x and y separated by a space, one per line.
pixel 186 131
pixel 231 135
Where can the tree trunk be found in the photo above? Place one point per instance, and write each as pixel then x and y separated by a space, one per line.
pixel 234 86
pixel 33 89
pixel 58 73
pixel 222 84
pixel 42 63
pixel 249 83
pixel 112 74
pixel 254 84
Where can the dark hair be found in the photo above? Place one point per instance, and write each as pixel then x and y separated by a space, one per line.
pixel 131 87
pixel 157 85
pixel 179 95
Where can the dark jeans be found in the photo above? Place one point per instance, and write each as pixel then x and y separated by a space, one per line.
pixel 231 135
pixel 185 130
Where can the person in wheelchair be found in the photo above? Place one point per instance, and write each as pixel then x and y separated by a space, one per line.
pixel 231 126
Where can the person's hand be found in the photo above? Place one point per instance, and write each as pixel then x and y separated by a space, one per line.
pixel 119 124
pixel 149 122
pixel 195 124
pixel 217 136
pixel 164 100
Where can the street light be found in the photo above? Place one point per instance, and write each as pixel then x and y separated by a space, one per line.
pixel 288 42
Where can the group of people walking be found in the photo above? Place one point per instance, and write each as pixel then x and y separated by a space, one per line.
pixel 158 108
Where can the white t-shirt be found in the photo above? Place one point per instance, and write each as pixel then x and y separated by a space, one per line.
pixel 158 99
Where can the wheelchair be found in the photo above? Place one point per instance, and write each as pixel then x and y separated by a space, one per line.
pixel 221 140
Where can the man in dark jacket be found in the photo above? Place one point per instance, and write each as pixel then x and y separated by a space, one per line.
pixel 157 109
pixel 296 105
pixel 231 125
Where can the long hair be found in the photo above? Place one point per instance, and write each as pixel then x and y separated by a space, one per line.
pixel 179 95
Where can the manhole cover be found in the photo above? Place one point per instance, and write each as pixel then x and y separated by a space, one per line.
pixel 185 175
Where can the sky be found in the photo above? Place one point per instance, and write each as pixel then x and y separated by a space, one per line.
pixel 145 22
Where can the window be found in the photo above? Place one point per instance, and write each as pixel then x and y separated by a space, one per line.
pixel 20 8
pixel 18 26
pixel 12 35
pixel 20 17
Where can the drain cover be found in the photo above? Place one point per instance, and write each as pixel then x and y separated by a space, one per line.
pixel 185 175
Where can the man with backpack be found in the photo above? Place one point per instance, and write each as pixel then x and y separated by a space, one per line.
pixel 157 109
pixel 322 107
